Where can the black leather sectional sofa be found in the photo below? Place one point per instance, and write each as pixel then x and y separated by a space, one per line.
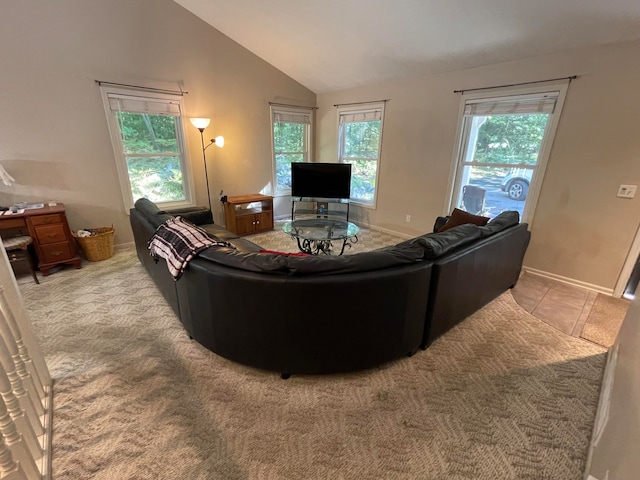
pixel 324 314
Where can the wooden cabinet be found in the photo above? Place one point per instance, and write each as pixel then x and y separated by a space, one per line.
pixel 247 214
pixel 49 229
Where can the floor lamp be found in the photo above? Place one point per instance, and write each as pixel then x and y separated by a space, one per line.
pixel 201 124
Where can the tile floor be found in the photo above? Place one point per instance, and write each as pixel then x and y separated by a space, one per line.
pixel 563 306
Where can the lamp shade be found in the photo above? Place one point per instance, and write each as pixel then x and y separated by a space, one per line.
pixel 219 141
pixel 200 122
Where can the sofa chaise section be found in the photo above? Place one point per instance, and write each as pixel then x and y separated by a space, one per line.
pixel 469 277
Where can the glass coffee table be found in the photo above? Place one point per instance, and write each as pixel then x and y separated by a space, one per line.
pixel 316 235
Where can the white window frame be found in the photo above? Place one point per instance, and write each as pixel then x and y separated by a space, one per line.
pixel 458 161
pixel 363 110
pixel 307 152
pixel 118 149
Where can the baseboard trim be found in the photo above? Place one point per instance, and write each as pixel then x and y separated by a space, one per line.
pixel 570 281
pixel 391 232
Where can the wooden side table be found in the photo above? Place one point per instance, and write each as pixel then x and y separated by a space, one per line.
pixel 243 221
pixel 49 229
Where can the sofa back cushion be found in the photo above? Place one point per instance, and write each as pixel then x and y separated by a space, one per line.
pixel 387 257
pixel 435 245
pixel 504 220
pixel 151 212
pixel 195 215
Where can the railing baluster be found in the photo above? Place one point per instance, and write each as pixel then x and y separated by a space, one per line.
pixel 16 389
pixel 11 405
pixel 5 310
pixel 12 445
pixel 26 382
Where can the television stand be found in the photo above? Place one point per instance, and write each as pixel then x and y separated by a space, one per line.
pixel 311 207
pixel 247 214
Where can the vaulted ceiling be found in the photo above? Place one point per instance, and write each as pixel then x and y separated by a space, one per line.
pixel 330 45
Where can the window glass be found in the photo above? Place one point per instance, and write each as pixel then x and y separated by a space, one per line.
pixel 147 136
pixel 157 178
pixel 291 143
pixel 500 155
pixel 501 140
pixel 144 133
pixel 360 139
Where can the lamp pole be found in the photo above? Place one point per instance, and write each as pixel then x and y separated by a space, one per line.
pixel 204 156
pixel 201 124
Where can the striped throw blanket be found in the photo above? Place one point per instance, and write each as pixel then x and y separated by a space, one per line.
pixel 178 241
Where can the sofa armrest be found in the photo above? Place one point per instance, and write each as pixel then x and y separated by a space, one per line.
pixel 195 215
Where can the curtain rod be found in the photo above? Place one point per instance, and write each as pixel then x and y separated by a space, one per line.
pixel 572 77
pixel 148 89
pixel 360 103
pixel 289 105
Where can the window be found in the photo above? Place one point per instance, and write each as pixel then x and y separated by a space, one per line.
pixel 291 143
pixel 505 142
pixel 147 136
pixel 359 143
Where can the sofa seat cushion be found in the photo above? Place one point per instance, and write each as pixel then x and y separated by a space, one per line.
pixel 241 244
pixel 247 260
pixel 218 231
pixel 245 246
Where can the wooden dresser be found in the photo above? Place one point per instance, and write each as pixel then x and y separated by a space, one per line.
pixel 49 229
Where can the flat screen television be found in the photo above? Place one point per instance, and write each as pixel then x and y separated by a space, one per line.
pixel 321 180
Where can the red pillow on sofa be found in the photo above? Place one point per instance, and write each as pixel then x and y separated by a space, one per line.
pixel 460 217
pixel 288 254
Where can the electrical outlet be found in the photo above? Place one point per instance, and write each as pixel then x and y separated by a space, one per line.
pixel 407 218
pixel 627 191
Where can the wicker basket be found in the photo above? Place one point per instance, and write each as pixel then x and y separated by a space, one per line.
pixel 98 246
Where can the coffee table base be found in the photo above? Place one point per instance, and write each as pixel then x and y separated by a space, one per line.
pixel 315 247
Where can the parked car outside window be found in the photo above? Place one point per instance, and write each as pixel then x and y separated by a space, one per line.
pixel 516 183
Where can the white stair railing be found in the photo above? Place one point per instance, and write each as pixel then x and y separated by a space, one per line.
pixel 25 389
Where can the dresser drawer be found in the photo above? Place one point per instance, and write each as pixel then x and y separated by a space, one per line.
pixel 50 234
pixel 8 223
pixel 46 219
pixel 56 252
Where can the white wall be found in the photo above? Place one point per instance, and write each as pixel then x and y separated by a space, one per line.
pixel 53 131
pixel 614 446
pixel 580 230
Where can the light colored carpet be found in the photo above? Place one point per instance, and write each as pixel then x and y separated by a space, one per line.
pixel 604 320
pixel 501 396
